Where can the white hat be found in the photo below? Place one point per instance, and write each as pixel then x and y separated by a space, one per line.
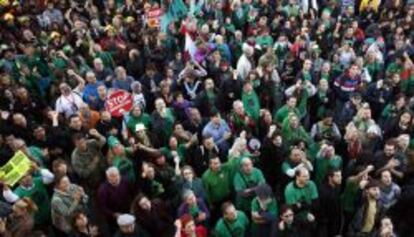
pixel 125 219
pixel 139 127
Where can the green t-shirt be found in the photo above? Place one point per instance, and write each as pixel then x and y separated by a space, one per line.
pixel 325 76
pixel 37 154
pixel 294 134
pixel 389 112
pixel 38 194
pixel 218 184
pixel 242 182
pixel 36 61
pixel 323 165
pixel 394 68
pixel 303 102
pixel 144 118
pixel 349 195
pixel 294 194
pixel 238 227
pixel 283 113
pixel 106 58
pixel 125 167
pixel 32 84
pixel 157 189
pixel 59 63
pixel 291 10
pixel 270 209
pixel 230 27
pixel 374 69
pixel 168 129
pixel 306 76
pixel 265 41
pixel 252 105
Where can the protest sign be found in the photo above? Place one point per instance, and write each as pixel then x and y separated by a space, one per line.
pixel 118 102
pixel 15 169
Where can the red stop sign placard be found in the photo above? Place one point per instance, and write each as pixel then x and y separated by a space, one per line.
pixel 119 101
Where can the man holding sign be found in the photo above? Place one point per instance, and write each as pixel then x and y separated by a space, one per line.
pixel 33 185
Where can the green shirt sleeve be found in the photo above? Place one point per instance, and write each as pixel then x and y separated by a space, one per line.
pixel 239 183
pixel 285 167
pixel 220 230
pixel 281 114
pixel 290 195
pixel 244 219
pixel 314 191
pixel 259 176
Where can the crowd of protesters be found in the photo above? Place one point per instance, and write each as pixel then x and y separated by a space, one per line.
pixel 250 118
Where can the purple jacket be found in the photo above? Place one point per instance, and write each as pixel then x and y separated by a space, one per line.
pixel 115 199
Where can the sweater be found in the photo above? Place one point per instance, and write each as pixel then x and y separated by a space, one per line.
pixel 114 199
pixel 64 206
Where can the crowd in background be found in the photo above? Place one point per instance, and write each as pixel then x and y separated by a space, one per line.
pixel 250 118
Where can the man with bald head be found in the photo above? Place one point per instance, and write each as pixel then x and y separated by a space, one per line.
pixel 245 183
pixel 302 195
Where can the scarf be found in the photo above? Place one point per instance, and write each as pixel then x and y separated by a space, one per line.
pixel 191 89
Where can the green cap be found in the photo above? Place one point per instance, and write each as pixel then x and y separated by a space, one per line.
pixel 113 141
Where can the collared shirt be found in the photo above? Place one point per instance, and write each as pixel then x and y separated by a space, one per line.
pixel 217 132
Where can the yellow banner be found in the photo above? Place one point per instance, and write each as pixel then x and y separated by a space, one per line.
pixel 15 169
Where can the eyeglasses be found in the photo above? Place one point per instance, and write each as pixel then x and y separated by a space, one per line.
pixel 288 215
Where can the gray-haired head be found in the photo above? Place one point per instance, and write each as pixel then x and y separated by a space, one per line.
pixel 112 170
pixel 187 193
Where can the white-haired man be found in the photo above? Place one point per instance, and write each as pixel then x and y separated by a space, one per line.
pixel 114 195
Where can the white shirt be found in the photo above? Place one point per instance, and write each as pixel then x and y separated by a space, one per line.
pixel 244 66
pixel 69 105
